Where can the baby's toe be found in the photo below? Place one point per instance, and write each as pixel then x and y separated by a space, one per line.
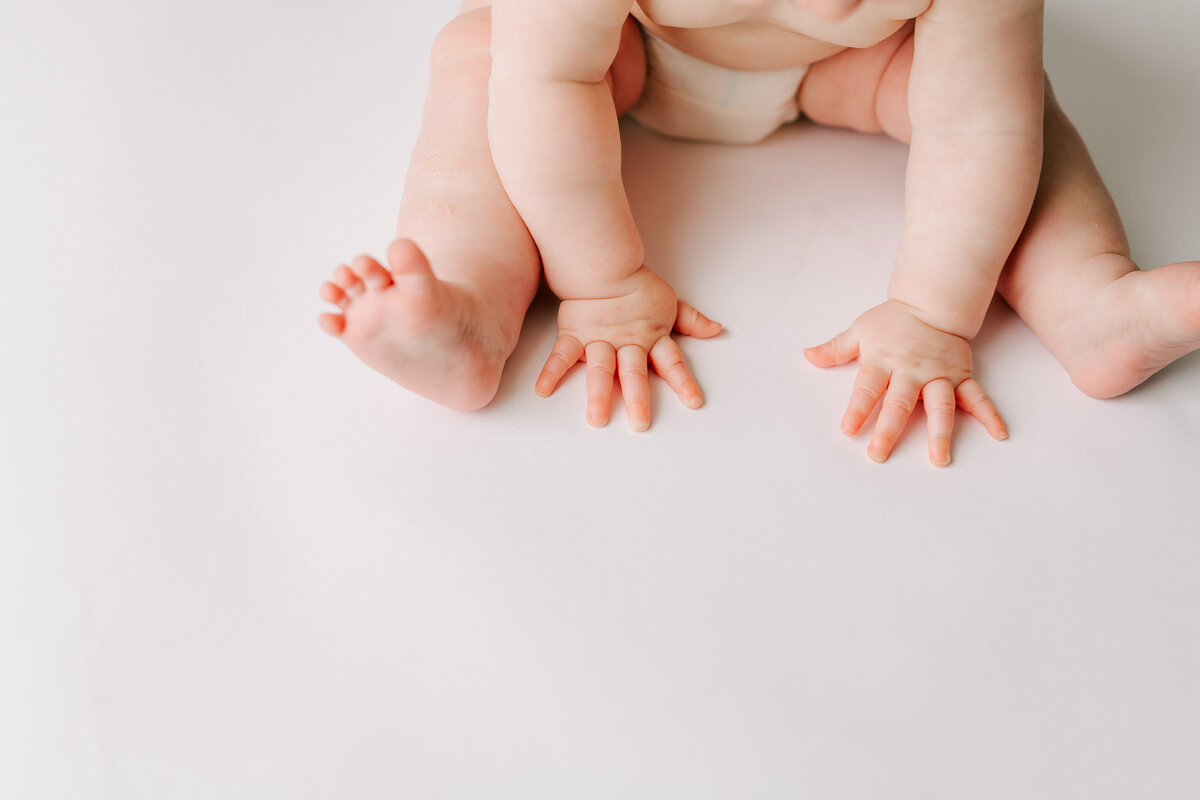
pixel 373 274
pixel 332 293
pixel 333 324
pixel 406 258
pixel 349 282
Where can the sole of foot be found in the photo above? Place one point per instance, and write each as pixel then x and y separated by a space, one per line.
pixel 432 337
pixel 1139 324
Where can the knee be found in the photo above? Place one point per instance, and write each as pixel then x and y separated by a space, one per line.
pixel 891 97
pixel 627 76
pixel 469 35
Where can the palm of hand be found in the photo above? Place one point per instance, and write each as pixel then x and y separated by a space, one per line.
pixel 901 358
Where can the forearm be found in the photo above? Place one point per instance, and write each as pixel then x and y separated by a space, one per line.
pixel 553 131
pixel 968 196
pixel 976 101
pixel 556 146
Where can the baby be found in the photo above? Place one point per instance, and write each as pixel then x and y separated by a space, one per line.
pixel 516 175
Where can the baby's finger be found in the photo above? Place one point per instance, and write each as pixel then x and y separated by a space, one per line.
pixel 938 397
pixel 976 403
pixel 841 349
pixel 668 363
pixel 898 405
pixel 869 385
pixel 567 350
pixel 635 386
pixel 601 364
pixel 691 322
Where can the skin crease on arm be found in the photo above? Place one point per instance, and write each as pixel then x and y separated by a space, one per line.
pixel 976 103
pixel 555 139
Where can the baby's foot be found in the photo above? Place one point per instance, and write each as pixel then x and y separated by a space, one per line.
pixel 434 338
pixel 1140 323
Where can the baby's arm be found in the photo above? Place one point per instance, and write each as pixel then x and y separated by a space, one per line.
pixel 976 95
pixel 555 140
pixel 556 145
pixel 976 102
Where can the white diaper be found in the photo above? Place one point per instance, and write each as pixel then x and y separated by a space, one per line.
pixel 690 98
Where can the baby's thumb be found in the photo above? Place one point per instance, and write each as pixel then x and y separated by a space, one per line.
pixel 691 322
pixel 841 349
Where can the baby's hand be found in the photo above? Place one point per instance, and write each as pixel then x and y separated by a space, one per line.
pixel 617 334
pixel 906 358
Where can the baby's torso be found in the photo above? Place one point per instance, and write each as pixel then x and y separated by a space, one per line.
pixel 769 34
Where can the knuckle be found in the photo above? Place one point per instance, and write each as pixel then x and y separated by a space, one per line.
pixel 882 440
pixel 865 393
pixel 941 406
pixel 674 365
pixel 636 371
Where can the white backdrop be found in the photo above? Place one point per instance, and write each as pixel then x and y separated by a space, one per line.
pixel 235 563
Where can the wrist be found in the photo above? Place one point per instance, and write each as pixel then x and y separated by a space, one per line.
pixel 959 320
pixel 951 306
pixel 610 273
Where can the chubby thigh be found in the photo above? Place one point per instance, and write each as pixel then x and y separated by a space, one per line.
pixel 864 89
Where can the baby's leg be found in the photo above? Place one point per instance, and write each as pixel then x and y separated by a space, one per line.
pixel 1071 279
pixel 1070 276
pixel 446 315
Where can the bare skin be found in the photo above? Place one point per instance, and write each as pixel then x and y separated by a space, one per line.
pixel 445 331
pixel 451 187
pixel 1069 277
